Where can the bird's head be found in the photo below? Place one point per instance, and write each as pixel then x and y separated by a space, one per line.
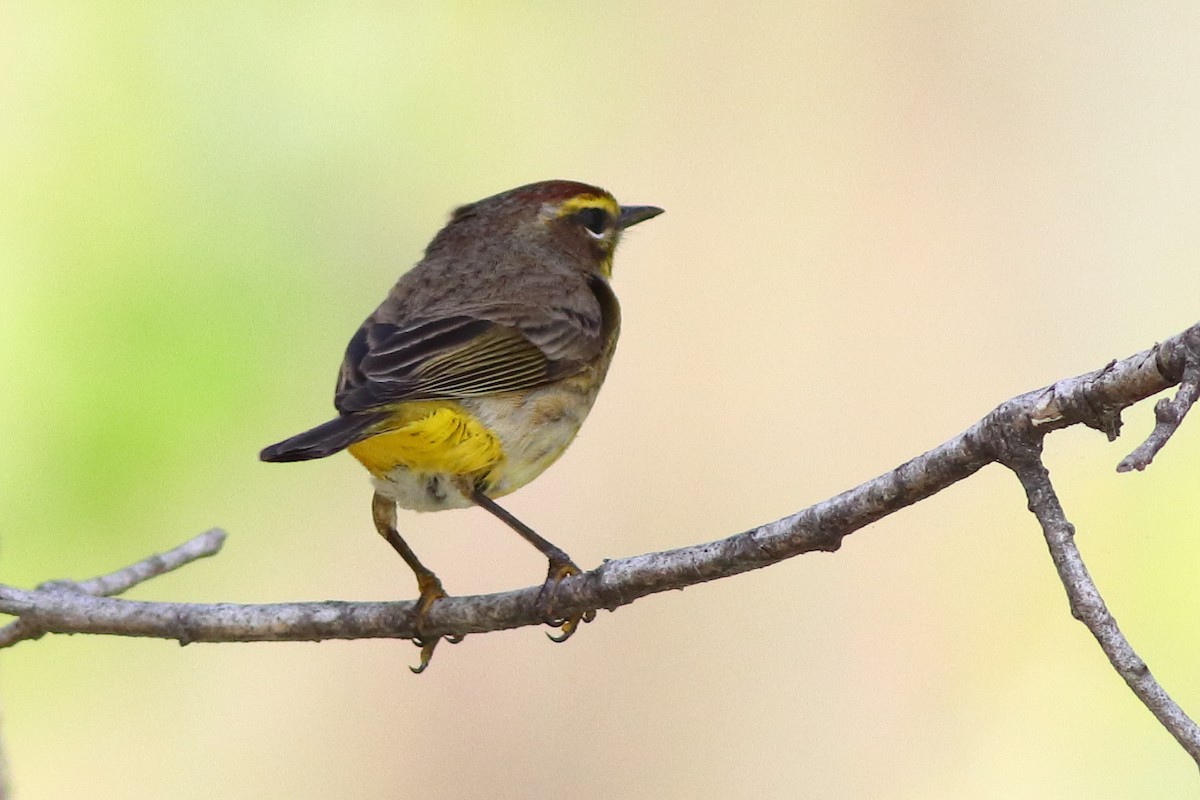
pixel 574 219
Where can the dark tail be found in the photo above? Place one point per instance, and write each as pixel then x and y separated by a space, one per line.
pixel 324 440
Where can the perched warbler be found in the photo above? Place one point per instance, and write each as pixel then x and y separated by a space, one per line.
pixel 477 370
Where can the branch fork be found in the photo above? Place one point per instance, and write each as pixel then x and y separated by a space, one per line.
pixel 1012 435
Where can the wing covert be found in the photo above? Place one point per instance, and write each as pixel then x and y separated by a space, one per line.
pixel 488 350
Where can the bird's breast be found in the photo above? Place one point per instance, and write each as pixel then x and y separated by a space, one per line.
pixel 435 451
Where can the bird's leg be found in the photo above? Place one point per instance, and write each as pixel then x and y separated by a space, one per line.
pixel 383 511
pixel 561 566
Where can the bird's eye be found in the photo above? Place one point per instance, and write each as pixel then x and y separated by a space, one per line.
pixel 594 220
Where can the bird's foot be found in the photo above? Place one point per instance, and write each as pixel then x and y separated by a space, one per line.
pixel 559 569
pixel 431 590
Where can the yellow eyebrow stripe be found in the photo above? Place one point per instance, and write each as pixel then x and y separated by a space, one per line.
pixel 582 201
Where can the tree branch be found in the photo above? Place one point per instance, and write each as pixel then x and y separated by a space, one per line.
pixel 1169 414
pixel 1095 399
pixel 1088 606
pixel 206 544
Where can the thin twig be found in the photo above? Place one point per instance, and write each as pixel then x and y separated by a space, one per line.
pixel 1169 414
pixel 1088 606
pixel 114 583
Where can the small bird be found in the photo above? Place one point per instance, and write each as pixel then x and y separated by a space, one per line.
pixel 477 370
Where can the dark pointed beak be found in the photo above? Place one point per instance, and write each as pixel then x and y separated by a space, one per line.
pixel 632 215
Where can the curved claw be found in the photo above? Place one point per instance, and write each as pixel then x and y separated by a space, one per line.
pixel 431 590
pixel 559 569
pixel 568 630
pixel 427 647
pixel 570 625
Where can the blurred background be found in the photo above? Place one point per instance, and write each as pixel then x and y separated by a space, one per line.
pixel 882 220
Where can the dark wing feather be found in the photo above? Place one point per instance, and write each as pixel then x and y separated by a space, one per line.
pixel 488 349
pixel 324 440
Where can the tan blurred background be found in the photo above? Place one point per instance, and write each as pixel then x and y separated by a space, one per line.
pixel 882 219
